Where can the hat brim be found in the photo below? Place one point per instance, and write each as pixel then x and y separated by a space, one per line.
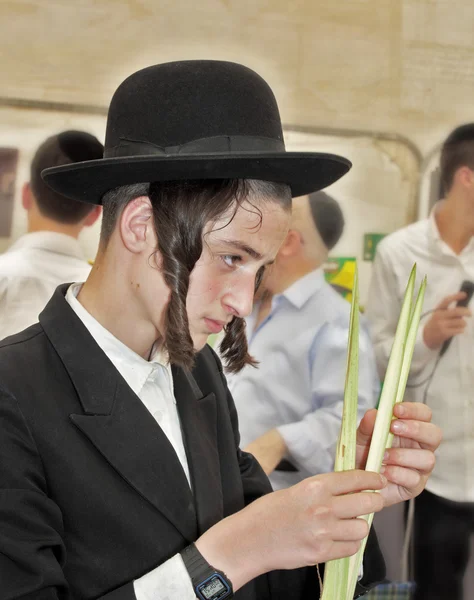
pixel 304 172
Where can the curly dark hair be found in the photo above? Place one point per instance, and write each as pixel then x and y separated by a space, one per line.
pixel 181 211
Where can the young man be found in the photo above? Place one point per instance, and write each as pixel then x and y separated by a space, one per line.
pixel 49 254
pixel 121 473
pixel 443 377
pixel 290 408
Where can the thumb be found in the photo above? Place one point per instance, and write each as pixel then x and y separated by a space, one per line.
pixel 366 426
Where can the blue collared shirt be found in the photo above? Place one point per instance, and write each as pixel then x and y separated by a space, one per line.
pixel 299 384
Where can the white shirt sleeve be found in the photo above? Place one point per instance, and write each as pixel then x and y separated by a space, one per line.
pixel 383 310
pixel 312 441
pixel 169 581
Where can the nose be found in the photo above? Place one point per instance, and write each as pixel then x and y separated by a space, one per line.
pixel 238 301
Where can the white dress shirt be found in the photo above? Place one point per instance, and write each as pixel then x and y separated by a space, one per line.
pixel 152 382
pixel 30 271
pixel 451 392
pixel 298 386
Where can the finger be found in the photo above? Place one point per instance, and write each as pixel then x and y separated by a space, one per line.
pixel 450 299
pixel 350 530
pixel 341 550
pixel 412 458
pixel 347 482
pixel 416 411
pixel 455 326
pixel 366 426
pixel 427 435
pixel 450 332
pixel 406 478
pixel 357 505
pixel 454 314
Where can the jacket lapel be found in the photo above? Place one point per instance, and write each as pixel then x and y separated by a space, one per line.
pixel 198 416
pixel 117 423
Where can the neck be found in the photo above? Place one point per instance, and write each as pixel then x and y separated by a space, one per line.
pixel 455 222
pixel 110 296
pixel 289 273
pixel 38 222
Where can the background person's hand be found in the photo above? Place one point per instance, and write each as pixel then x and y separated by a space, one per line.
pixel 268 449
pixel 446 321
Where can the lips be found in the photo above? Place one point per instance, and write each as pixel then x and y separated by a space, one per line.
pixel 214 326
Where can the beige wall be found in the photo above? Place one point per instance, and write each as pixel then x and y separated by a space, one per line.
pixel 381 186
pixel 401 67
pixel 404 66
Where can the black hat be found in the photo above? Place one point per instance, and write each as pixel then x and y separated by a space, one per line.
pixel 198 119
pixel 328 218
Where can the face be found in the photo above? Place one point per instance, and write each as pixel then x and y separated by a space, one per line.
pixel 222 284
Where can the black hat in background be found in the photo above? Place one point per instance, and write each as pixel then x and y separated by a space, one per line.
pixel 328 218
pixel 199 119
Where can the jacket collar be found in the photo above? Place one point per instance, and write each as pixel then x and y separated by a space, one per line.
pixel 117 423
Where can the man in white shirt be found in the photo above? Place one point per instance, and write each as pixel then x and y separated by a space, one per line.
pixel 121 476
pixel 49 254
pixel 442 246
pixel 290 407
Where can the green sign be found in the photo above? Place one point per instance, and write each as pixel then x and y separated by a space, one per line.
pixel 371 241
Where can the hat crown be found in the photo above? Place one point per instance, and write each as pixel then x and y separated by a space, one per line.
pixel 173 104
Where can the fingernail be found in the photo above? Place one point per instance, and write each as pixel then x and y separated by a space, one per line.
pixel 382 469
pixel 399 427
pixel 384 480
pixel 401 410
pixel 385 456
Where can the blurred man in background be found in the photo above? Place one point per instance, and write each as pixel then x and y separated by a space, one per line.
pixel 442 246
pixel 49 254
pixel 290 407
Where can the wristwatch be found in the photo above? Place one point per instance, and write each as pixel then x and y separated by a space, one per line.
pixel 208 582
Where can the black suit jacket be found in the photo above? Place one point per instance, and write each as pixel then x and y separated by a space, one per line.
pixel 92 494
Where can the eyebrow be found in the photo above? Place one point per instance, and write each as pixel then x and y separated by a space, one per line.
pixel 243 247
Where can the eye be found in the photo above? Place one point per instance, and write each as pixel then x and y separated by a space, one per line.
pixel 231 260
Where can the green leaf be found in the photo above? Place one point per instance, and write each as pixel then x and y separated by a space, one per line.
pixel 340 577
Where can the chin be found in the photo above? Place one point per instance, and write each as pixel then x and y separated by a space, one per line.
pixel 199 341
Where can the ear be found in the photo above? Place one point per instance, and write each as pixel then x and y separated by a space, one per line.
pixel 465 176
pixel 26 196
pixel 136 225
pixel 292 244
pixel 93 216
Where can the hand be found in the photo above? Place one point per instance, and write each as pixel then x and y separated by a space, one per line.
pixel 268 449
pixel 410 461
pixel 311 522
pixel 445 322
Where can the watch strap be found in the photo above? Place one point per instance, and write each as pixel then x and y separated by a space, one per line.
pixel 197 566
pixel 199 569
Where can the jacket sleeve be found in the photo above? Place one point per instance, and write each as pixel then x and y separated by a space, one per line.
pixel 31 548
pixel 32 551
pixel 295 584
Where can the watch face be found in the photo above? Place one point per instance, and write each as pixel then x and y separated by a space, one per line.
pixel 214 588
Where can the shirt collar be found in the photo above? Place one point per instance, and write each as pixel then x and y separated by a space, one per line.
pixel 133 368
pixel 437 239
pixel 51 241
pixel 302 290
